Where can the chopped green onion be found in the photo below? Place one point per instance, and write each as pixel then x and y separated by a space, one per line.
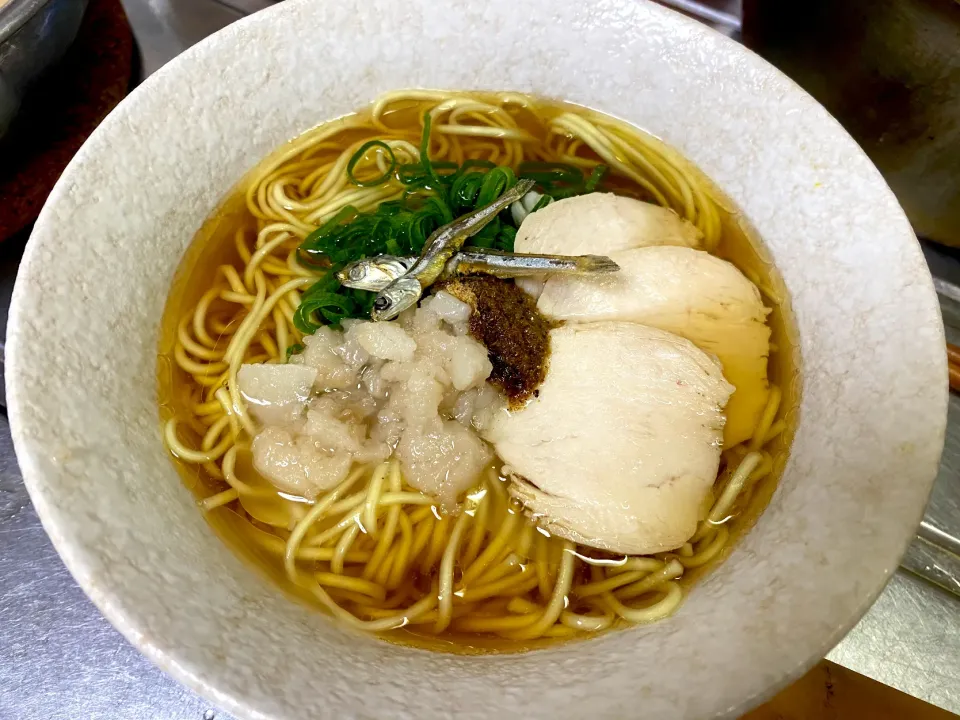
pixel 541 203
pixel 596 175
pixel 435 193
pixel 506 238
pixel 425 149
pixel 495 183
pixel 550 175
pixel 359 155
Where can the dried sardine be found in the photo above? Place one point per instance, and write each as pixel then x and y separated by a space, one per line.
pixel 405 291
pixel 377 272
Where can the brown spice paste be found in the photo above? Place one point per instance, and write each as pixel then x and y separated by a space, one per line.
pixel 517 337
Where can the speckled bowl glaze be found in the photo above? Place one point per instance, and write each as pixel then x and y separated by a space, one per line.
pixel 82 360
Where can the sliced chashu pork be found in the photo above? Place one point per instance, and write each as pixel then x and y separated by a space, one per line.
pixel 622 443
pixel 688 292
pixel 600 224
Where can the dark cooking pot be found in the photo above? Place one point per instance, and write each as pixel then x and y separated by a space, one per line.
pixel 889 70
pixel 33 35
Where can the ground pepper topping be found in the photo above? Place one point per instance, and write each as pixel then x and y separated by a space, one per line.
pixel 517 336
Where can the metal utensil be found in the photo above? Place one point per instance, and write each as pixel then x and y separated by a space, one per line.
pixel 33 35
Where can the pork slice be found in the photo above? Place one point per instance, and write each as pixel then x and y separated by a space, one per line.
pixel 692 294
pixel 623 441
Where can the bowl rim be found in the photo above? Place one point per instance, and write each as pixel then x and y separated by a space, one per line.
pixel 106 598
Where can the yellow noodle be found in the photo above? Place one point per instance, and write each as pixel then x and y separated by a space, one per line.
pixel 315 513
pixel 445 596
pixel 421 537
pixel 221 498
pixel 733 487
pixel 343 547
pixel 522 606
pixel 671 600
pixel 671 571
pixel 774 431
pixel 520 582
pixel 508 565
pixel 557 599
pixel 491 551
pixel 437 543
pixel 602 586
pixel 393 518
pixel 712 549
pixel 494 624
pixel 278 547
pixel 369 515
pixel 590 623
pixel 479 529
pixel 767 418
pixel 357 585
pixel 402 553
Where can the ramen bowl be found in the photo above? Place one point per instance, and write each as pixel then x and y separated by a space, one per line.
pixel 83 341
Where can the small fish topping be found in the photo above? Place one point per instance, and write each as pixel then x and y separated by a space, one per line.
pixel 511 265
pixel 376 273
pixel 405 291
pixel 401 294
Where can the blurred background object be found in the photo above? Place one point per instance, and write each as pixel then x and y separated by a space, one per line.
pixel 889 71
pixel 61 106
pixel 33 35
pixel 165 28
pixel 722 15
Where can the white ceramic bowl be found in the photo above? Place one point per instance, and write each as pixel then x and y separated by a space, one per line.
pixel 82 343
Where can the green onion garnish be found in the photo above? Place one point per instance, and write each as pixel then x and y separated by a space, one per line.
pixel 435 192
pixel 359 155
